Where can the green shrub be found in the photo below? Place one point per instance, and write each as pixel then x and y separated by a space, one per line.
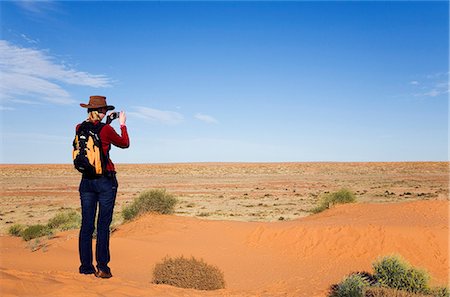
pixel 16 230
pixel 35 231
pixel 65 220
pixel 394 272
pixel 158 201
pixel 340 197
pixel 393 277
pixel 416 281
pixel 352 286
pixel 188 273
pixel 389 292
pixel 129 212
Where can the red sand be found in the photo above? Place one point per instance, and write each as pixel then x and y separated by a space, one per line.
pixel 294 258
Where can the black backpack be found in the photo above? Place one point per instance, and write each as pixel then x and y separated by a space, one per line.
pixel 87 153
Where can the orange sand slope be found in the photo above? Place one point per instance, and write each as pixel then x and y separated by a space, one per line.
pixel 295 258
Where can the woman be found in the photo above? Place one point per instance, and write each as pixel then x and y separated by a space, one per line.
pixel 101 191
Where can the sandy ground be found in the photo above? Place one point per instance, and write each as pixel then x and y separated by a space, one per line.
pixel 31 194
pixel 230 215
pixel 292 258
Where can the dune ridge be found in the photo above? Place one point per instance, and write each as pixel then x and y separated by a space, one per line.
pixel 292 258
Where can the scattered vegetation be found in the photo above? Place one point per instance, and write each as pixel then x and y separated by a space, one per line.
pixel 157 200
pixel 329 199
pixel 396 273
pixel 66 220
pixel 393 277
pixel 351 286
pixel 62 221
pixel 188 273
pixel 149 201
pixel 16 230
pixel 35 231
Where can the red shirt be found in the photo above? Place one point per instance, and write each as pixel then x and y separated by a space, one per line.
pixel 109 136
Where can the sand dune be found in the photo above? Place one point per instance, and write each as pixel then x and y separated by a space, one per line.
pixel 292 258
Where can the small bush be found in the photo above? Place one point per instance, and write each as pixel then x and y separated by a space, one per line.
pixel 416 281
pixel 340 197
pixel 352 286
pixel 393 277
pixel 150 201
pixel 35 231
pixel 16 230
pixel 188 273
pixel 394 272
pixel 65 220
pixel 129 212
pixel 388 292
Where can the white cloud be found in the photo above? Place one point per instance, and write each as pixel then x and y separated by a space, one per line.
pixel 432 86
pixel 432 93
pixel 206 118
pixel 28 39
pixel 37 7
pixel 161 116
pixel 444 86
pixel 28 73
pixel 436 90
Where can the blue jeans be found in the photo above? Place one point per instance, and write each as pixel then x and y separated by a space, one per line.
pixel 101 191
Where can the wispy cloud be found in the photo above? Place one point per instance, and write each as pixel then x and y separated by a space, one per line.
pixel 31 74
pixel 28 39
pixel 435 90
pixel 432 85
pixel 37 7
pixel 161 116
pixel 432 93
pixel 206 118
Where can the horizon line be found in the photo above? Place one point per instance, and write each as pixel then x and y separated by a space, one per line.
pixel 233 162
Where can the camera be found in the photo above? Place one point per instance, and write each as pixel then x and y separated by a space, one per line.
pixel 112 116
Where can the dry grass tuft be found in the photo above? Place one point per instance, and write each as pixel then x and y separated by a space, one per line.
pixel 329 199
pixel 157 200
pixel 188 273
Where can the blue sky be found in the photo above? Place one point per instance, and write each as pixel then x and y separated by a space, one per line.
pixel 229 81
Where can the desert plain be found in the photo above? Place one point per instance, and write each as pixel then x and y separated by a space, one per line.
pixel 252 220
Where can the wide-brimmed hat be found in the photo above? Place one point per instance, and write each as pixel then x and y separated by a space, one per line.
pixel 96 102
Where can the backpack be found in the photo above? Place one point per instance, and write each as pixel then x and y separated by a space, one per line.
pixel 87 153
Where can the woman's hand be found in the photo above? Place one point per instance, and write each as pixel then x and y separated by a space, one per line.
pixel 122 118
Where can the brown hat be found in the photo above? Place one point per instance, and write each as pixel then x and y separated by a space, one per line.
pixel 96 102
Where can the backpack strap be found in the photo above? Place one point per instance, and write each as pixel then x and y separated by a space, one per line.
pixel 96 128
pixel 105 160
